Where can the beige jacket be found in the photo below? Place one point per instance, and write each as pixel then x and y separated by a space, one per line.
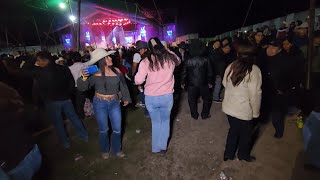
pixel 243 101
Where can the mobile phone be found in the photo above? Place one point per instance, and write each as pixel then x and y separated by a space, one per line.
pixel 92 69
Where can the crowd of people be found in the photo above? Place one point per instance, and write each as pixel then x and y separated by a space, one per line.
pixel 254 75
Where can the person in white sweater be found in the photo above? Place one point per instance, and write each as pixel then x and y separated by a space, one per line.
pixel 242 81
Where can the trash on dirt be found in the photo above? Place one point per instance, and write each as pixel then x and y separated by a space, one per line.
pixel 115 173
pixel 138 131
pixel 78 157
pixel 213 169
pixel 178 120
pixel 223 176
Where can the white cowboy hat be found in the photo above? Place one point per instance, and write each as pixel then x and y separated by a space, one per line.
pixel 98 54
pixel 58 60
pixel 303 25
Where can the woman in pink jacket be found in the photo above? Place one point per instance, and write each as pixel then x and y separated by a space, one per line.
pixel 157 71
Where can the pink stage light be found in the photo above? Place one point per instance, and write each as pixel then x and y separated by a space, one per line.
pixel 112 22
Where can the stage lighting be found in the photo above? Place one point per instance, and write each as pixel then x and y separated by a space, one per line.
pixel 72 18
pixel 62 5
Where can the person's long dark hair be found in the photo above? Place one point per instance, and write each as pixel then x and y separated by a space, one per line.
pixel 243 65
pixel 160 56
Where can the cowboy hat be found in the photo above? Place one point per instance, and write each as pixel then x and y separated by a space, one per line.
pixel 98 54
pixel 58 60
pixel 141 45
pixel 303 25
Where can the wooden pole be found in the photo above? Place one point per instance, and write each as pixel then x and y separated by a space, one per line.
pixel 311 39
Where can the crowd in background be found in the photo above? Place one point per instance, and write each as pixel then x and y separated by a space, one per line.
pixel 260 68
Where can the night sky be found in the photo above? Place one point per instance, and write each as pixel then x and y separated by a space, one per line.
pixel 209 17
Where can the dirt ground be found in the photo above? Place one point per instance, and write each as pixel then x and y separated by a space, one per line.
pixel 195 152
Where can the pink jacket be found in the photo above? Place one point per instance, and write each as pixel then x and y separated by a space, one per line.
pixel 157 82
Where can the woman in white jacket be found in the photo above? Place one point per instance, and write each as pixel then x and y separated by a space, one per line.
pixel 242 81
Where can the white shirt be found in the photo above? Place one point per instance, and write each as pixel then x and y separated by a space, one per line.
pixel 76 70
pixel 136 58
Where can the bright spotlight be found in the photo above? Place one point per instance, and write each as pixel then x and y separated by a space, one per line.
pixel 72 18
pixel 62 5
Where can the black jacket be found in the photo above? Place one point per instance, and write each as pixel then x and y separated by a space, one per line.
pixel 277 73
pixel 55 82
pixel 297 65
pixel 218 61
pixel 197 72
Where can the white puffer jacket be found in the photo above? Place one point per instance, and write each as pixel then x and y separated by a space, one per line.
pixel 243 101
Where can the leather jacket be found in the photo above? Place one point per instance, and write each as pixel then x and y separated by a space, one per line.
pixel 197 72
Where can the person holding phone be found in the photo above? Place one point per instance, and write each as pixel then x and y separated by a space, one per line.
pixel 108 83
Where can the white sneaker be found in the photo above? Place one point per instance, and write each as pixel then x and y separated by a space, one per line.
pixel 140 105
pixel 105 156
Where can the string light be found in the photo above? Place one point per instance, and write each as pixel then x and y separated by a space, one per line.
pixel 113 22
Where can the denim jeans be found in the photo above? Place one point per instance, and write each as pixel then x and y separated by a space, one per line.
pixel 55 110
pixel 142 99
pixel 28 166
pixel 104 109
pixel 217 88
pixel 159 108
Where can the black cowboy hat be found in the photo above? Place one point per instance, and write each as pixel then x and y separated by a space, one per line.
pixel 141 45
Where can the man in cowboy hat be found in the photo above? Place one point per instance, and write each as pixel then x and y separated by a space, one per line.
pixel 141 47
pixel 60 61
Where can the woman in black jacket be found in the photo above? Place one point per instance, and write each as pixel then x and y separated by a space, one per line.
pixel 199 76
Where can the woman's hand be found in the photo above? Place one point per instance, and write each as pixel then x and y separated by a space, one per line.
pixel 85 73
pixel 125 103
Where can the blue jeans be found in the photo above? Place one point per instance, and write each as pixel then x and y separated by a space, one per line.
pixel 217 88
pixel 55 110
pixel 142 99
pixel 104 109
pixel 159 108
pixel 28 166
